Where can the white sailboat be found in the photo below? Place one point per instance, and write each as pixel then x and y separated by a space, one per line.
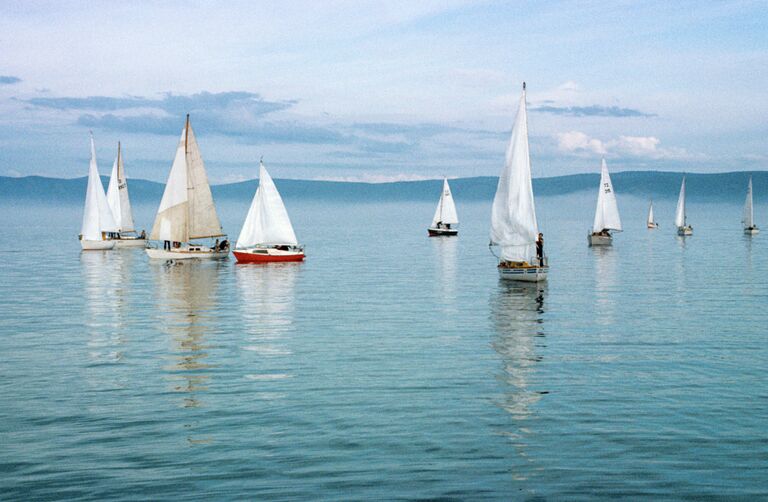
pixel 186 211
pixel 606 213
pixel 749 214
pixel 445 220
pixel 681 221
pixel 513 215
pixel 120 204
pixel 651 222
pixel 97 217
pixel 267 234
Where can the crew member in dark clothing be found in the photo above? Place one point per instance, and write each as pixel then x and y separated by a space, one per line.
pixel 540 249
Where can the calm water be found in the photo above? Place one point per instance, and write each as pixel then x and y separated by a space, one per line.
pixel 388 365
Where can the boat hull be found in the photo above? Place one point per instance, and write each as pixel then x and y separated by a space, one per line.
pixel 752 231
pixel 685 231
pixel 438 232
pixel 267 255
pixel 524 274
pixel 653 225
pixel 185 253
pixel 599 240
pixel 130 243
pixel 96 245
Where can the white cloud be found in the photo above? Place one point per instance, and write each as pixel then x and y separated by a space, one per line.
pixel 577 142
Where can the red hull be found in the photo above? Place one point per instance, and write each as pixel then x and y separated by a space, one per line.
pixel 265 258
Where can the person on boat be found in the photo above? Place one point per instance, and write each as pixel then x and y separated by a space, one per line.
pixel 439 224
pixel 166 245
pixel 224 245
pixel 216 245
pixel 143 234
pixel 176 244
pixel 540 249
pixel 448 226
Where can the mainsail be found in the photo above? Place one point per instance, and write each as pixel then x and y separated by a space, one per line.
pixel 446 209
pixel 650 214
pixel 186 210
pixel 267 222
pixel 97 217
pixel 680 212
pixel 607 212
pixel 117 195
pixel 513 215
pixel 749 216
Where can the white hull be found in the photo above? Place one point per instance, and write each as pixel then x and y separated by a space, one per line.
pixel 96 245
pixel 599 240
pixel 653 225
pixel 124 242
pixel 187 253
pixel 524 274
pixel 685 231
pixel 752 231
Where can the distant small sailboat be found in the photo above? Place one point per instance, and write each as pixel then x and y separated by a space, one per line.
pixel 513 215
pixel 651 222
pixel 120 204
pixel 445 220
pixel 681 221
pixel 97 217
pixel 749 214
pixel 606 213
pixel 267 234
pixel 186 211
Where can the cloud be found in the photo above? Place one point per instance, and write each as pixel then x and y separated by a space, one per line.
pixel 592 111
pixel 575 141
pixel 624 146
pixel 9 80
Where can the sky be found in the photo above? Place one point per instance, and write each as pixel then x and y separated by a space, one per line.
pixel 382 91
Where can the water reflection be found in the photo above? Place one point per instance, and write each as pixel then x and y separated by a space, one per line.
pixel 104 316
pixel 187 304
pixel 444 252
pixel 605 284
pixel 267 304
pixel 517 311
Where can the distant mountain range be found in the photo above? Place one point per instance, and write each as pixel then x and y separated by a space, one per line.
pixel 650 184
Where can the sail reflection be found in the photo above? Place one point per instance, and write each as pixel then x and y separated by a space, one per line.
pixel 187 303
pixel 444 251
pixel 517 316
pixel 605 285
pixel 267 303
pixel 103 297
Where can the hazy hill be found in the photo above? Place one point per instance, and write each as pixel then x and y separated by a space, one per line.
pixel 650 184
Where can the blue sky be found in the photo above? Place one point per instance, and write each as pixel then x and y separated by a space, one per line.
pixel 383 91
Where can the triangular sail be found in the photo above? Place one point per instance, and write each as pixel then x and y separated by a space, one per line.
pixel 650 214
pixel 171 220
pixel 749 216
pixel 117 195
pixel 97 217
pixel 267 222
pixel 607 211
pixel 203 220
pixel 513 215
pixel 446 209
pixel 680 212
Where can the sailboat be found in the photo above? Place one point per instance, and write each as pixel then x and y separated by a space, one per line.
pixel 513 214
pixel 97 217
pixel 749 214
pixel 445 220
pixel 267 234
pixel 186 211
pixel 651 223
pixel 120 204
pixel 681 221
pixel 606 213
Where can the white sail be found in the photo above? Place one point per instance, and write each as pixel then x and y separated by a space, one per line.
pixel 749 216
pixel 97 217
pixel 267 222
pixel 513 215
pixel 186 210
pixel 680 211
pixel 117 195
pixel 446 209
pixel 607 211
pixel 650 214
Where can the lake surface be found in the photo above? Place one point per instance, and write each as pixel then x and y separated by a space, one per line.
pixel 389 365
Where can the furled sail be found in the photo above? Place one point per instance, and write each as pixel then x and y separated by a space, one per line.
pixel 680 211
pixel 446 209
pixel 607 212
pixel 97 217
pixel 513 215
pixel 117 195
pixel 186 210
pixel 749 216
pixel 267 222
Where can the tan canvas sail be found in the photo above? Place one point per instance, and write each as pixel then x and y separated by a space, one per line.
pixel 203 220
pixel 171 221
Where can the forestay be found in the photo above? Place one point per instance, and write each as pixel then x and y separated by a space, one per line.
pixel 749 217
pixel 513 215
pixel 267 222
pixel 680 211
pixel 97 217
pixel 117 195
pixel 446 209
pixel 607 212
